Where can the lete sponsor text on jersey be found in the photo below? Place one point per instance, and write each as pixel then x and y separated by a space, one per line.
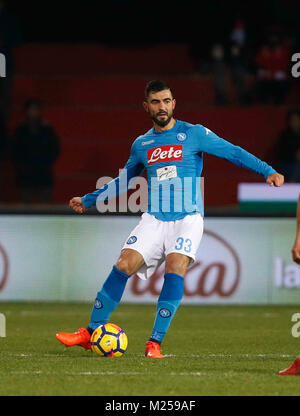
pixel 165 153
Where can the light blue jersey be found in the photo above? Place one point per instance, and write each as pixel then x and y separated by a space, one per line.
pixel 174 162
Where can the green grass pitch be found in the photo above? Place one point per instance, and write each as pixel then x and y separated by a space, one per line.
pixel 210 350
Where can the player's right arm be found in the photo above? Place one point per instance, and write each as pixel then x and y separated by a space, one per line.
pixel 117 186
pixel 296 246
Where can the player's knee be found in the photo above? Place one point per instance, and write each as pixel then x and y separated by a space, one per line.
pixel 130 261
pixel 128 264
pixel 177 264
pixel 124 265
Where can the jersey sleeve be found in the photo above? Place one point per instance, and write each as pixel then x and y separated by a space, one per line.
pixel 209 142
pixel 118 185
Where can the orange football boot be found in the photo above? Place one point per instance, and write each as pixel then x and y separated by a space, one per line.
pixel 153 350
pixel 292 370
pixel 81 338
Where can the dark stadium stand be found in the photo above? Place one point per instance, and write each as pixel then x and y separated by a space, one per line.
pixel 85 59
pixel 95 107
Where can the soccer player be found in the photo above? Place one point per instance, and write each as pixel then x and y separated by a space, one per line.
pixel 294 369
pixel 172 152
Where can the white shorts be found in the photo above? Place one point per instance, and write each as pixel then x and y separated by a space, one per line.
pixel 155 239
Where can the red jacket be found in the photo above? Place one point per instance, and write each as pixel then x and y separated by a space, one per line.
pixel 273 64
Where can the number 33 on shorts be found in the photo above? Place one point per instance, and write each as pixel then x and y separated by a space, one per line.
pixel 185 244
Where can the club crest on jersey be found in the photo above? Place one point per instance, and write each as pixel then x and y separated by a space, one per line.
pixel 165 153
pixel 98 304
pixel 181 137
pixel 131 239
pixel 165 313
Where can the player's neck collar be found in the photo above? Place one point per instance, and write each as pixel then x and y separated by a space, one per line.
pixel 168 130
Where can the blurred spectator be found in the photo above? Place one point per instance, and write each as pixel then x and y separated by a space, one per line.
pixel 288 148
pixel 219 71
pixel 238 34
pixel 238 69
pixel 273 62
pixel 10 37
pixel 35 149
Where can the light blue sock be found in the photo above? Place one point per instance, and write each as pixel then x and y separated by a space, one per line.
pixel 168 302
pixel 108 298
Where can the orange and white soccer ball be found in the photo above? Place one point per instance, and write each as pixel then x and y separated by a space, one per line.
pixel 109 340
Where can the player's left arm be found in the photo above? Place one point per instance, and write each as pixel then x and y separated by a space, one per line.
pixel 209 142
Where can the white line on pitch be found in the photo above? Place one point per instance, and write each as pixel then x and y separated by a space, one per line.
pixel 131 373
pixel 166 355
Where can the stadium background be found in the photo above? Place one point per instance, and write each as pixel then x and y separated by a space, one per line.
pixel 88 64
